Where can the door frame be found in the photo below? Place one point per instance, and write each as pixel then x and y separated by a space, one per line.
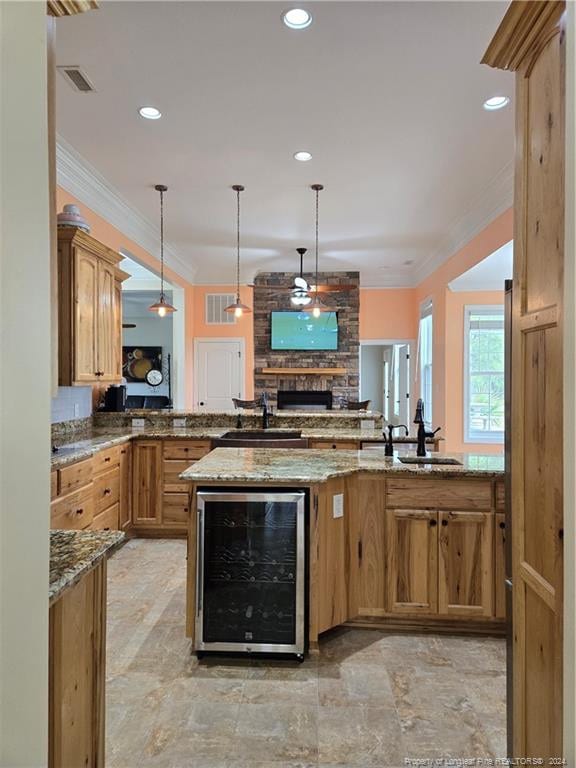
pixel 240 340
pixel 389 342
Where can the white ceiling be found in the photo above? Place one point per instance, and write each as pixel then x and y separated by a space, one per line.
pixel 489 274
pixel 386 95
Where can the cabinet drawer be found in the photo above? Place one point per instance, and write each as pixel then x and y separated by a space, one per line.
pixel 106 521
pixel 105 460
pixel 74 511
pixel 500 496
pixel 185 449
pixel 336 445
pixel 176 508
pixel 75 476
pixel 53 484
pixel 106 490
pixel 449 493
pixel 171 470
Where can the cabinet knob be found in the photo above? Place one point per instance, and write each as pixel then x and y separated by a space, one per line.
pixel 444 522
pixel 107 458
pixel 502 525
pixel 80 511
pixel 107 491
pixel 433 523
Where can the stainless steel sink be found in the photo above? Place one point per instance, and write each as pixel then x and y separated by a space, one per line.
pixel 429 460
pixel 261 438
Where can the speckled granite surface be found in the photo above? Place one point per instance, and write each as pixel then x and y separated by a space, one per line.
pixel 74 553
pixel 285 465
pixel 102 438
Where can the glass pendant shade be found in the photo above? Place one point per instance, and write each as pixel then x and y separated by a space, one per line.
pixel 238 308
pixel 161 307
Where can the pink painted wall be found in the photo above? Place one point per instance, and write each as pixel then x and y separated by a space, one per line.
pixel 454 357
pixel 447 367
pixel 388 313
pixel 243 327
pixel 103 231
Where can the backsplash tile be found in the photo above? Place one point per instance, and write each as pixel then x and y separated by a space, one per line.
pixel 72 403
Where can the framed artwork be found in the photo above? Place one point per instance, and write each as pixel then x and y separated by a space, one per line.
pixel 137 361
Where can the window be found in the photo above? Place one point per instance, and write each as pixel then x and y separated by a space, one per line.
pixel 425 357
pixel 484 374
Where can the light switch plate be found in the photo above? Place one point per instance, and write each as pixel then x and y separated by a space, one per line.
pixel 178 423
pixel 338 505
pixel 76 410
pixel 138 423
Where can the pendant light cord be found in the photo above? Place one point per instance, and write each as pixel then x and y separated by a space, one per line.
pixel 316 236
pixel 162 243
pixel 238 245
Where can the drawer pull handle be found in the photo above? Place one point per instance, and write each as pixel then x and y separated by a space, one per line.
pixel 107 458
pixel 80 511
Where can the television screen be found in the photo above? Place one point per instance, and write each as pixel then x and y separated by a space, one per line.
pixel 301 330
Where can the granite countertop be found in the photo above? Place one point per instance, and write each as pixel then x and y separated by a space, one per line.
pixel 102 438
pixel 74 553
pixel 285 465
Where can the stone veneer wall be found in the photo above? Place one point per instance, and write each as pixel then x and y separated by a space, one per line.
pixel 347 304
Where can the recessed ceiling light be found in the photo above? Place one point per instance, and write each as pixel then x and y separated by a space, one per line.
pixel 496 102
pixel 302 156
pixel 297 18
pixel 150 113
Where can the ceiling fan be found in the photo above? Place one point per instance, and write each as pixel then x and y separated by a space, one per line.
pixel 302 291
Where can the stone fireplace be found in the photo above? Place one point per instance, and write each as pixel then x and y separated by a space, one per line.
pixel 343 384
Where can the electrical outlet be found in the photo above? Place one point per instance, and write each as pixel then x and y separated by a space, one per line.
pixel 178 423
pixel 76 410
pixel 138 423
pixel 338 505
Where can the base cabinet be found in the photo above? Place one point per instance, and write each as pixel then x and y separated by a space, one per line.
pixel 500 565
pixel 77 643
pixel 147 483
pixel 412 558
pixel 465 564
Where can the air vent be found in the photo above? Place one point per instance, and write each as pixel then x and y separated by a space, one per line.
pixel 76 79
pixel 215 304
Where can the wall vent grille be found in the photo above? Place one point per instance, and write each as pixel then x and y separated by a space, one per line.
pixel 76 79
pixel 215 304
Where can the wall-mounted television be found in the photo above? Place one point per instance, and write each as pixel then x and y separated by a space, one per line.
pixel 301 330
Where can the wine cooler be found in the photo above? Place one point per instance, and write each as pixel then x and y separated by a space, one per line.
pixel 251 571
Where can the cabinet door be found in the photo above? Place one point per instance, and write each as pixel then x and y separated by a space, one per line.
pixel 147 483
pixel 108 324
pixel 500 565
pixel 366 524
pixel 125 514
pixel 412 562
pixel 465 583
pixel 86 312
pixel 332 556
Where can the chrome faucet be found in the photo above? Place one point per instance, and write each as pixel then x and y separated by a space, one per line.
pixel 389 449
pixel 265 411
pixel 422 433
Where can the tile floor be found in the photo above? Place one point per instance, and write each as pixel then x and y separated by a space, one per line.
pixel 369 699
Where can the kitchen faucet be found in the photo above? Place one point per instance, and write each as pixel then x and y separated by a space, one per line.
pixel 422 433
pixel 389 449
pixel 265 411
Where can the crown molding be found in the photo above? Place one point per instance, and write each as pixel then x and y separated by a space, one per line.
pixel 78 177
pixel 496 198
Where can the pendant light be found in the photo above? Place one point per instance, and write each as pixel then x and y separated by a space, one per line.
pixel 317 307
pixel 162 307
pixel 237 307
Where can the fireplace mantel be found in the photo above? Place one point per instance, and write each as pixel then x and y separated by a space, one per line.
pixel 305 371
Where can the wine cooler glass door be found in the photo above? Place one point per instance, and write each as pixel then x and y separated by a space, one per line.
pixel 251 571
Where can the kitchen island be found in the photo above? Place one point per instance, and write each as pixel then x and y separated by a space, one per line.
pixel 389 544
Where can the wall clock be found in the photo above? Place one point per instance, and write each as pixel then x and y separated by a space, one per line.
pixel 154 377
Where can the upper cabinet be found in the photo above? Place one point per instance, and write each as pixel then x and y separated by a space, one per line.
pixel 90 310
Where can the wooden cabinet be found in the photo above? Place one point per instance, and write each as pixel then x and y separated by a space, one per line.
pixel 500 565
pixel 332 555
pixel 77 643
pixel 90 310
pixel 531 41
pixel 147 483
pixel 412 560
pixel 465 565
pixel 178 455
pixel 125 505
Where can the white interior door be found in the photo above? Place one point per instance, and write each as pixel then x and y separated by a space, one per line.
pixel 219 374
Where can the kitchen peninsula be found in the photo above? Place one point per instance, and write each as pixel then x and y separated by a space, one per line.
pixel 389 544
